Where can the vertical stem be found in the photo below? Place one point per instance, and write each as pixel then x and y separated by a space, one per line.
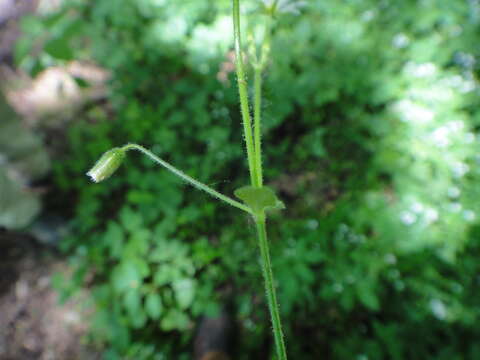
pixel 254 153
pixel 257 116
pixel 243 92
pixel 257 108
pixel 270 289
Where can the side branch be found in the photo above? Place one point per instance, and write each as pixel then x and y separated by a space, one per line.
pixel 187 178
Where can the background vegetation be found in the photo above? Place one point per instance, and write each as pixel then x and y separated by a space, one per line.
pixel 371 139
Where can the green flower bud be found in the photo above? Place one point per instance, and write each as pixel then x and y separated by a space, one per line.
pixel 107 164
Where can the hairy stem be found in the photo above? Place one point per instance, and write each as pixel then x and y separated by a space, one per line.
pixel 257 107
pixel 270 289
pixel 254 153
pixel 187 178
pixel 257 116
pixel 243 93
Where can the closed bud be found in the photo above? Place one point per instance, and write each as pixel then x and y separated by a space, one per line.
pixel 107 164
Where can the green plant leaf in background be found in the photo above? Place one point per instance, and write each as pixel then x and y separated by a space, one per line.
pixel 153 305
pixel 126 276
pixel 184 292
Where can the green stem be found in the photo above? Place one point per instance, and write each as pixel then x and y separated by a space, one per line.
pixel 243 93
pixel 254 153
pixel 257 116
pixel 187 178
pixel 270 289
pixel 257 107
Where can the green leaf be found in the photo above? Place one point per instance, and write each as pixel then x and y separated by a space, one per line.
pixel 131 220
pixel 259 199
pixel 175 319
pixel 142 266
pixel 166 274
pixel 22 49
pixel 114 239
pixel 184 292
pixel 59 48
pixel 368 297
pixel 137 244
pixel 32 24
pixel 131 301
pixel 138 319
pixel 153 305
pixel 126 276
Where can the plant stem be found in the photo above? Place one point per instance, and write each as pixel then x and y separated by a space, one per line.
pixel 257 116
pixel 270 288
pixel 243 93
pixel 254 154
pixel 259 66
pixel 187 178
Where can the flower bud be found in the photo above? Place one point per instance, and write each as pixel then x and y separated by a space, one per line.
pixel 107 164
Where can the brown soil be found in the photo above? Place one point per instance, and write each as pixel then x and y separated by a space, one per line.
pixel 33 325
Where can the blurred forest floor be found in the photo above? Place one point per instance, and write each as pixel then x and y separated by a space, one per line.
pixel 32 324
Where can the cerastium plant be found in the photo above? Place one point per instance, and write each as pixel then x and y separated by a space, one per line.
pixel 257 199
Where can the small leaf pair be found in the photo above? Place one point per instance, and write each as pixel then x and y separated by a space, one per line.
pixel 259 199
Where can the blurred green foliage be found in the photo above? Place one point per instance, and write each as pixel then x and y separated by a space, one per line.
pixel 23 160
pixel 371 138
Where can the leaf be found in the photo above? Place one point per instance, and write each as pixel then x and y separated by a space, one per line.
pixel 166 274
pixel 59 48
pixel 131 301
pixel 175 319
pixel 137 244
pixel 153 305
pixel 131 220
pixel 367 296
pixel 138 320
pixel 259 199
pixel 114 239
pixel 126 276
pixel 142 266
pixel 184 292
pixel 17 206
